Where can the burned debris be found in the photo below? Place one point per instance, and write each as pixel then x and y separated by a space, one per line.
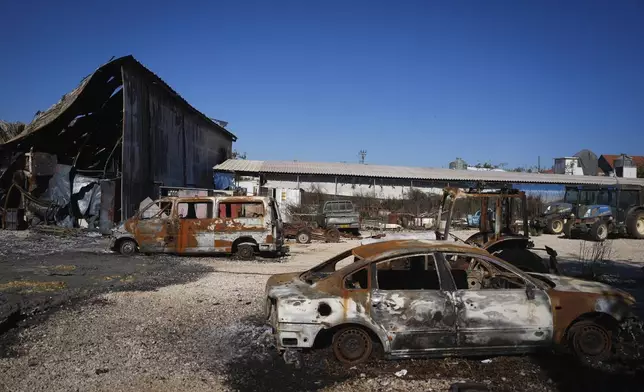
pixel 92 157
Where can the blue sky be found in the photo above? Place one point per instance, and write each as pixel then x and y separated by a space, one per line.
pixel 412 82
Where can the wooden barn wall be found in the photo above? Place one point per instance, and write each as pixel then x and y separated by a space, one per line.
pixel 164 142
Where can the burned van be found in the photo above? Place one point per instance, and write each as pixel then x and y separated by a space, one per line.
pixel 242 225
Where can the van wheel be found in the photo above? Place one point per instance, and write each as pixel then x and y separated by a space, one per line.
pixel 636 225
pixel 555 226
pixel 599 231
pixel 246 252
pixel 352 345
pixel 303 237
pixel 127 247
pixel 590 341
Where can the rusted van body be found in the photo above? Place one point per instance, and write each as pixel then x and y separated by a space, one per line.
pixel 205 224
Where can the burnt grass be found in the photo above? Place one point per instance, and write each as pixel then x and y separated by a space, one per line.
pixel 34 286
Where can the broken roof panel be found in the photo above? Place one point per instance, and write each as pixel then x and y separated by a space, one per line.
pixel 106 77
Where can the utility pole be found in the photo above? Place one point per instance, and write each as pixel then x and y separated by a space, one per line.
pixel 539 164
pixel 362 154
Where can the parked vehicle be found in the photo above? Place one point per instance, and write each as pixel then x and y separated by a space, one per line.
pixel 242 225
pixel 438 298
pixel 552 219
pixel 339 214
pixel 615 210
pixel 503 238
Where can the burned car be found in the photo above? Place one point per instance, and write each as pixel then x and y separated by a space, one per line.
pixel 242 225
pixel 436 298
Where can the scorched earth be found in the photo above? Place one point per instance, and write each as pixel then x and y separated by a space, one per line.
pixel 103 322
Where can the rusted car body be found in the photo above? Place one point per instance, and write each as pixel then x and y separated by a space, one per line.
pixel 435 298
pixel 204 224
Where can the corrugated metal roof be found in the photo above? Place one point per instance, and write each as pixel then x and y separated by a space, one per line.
pixel 414 173
pixel 240 165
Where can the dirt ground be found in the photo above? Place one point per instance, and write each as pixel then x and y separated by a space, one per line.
pixel 78 317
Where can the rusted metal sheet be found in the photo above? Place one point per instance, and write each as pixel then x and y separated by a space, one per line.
pixel 529 312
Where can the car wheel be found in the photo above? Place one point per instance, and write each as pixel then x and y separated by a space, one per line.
pixel 246 252
pixel 303 237
pixel 556 226
pixel 332 235
pixel 127 247
pixel 636 225
pixel 599 231
pixel 352 345
pixel 590 341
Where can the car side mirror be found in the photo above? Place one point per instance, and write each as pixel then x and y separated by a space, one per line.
pixel 529 292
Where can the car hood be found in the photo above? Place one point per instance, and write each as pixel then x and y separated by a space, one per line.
pixel 570 284
pixel 287 286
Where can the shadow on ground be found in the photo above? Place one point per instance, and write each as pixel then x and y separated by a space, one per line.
pixel 34 287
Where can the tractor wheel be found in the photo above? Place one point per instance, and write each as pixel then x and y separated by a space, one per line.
pixel 599 231
pixel 303 237
pixel 352 345
pixel 590 341
pixel 246 252
pixel 555 226
pixel 524 259
pixel 127 247
pixel 636 225
pixel 567 230
pixel 332 235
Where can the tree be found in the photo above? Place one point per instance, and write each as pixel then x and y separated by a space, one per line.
pixel 239 155
pixel 640 171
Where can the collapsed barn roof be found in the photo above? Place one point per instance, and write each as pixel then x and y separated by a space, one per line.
pixel 95 88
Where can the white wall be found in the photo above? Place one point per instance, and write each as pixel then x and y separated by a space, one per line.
pixel 568 165
pixel 384 188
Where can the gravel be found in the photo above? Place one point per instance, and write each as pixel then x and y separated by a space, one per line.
pixel 206 333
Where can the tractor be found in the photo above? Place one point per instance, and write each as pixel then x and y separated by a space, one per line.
pixel 614 210
pixel 509 239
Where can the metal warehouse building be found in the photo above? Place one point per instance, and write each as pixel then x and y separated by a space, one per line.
pixel 349 179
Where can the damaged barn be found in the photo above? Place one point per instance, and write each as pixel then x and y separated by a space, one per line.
pixel 113 141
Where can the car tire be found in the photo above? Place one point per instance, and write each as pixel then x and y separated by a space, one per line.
pixel 245 252
pixel 352 345
pixel 127 247
pixel 590 341
pixel 303 237
pixel 599 231
pixel 636 225
pixel 555 226
pixel 332 235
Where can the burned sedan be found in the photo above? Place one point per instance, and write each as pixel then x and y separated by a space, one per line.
pixel 434 298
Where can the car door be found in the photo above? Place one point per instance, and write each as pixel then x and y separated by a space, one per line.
pixel 498 309
pixel 153 227
pixel 196 226
pixel 409 302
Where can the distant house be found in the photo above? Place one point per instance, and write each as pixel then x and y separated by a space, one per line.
pixel 568 165
pixel 607 163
